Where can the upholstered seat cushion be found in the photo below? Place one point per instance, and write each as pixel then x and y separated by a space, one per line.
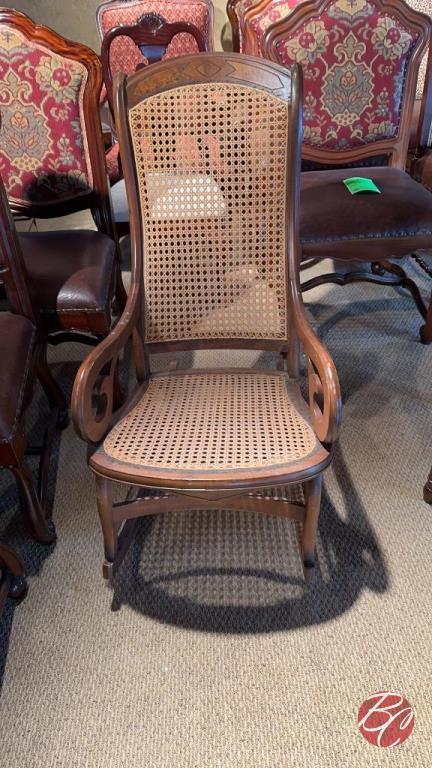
pixel 335 223
pixel 242 426
pixel 16 344
pixel 71 278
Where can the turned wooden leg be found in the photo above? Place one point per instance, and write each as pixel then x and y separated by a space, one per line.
pixel 109 527
pixel 52 390
pixel 313 503
pixel 43 530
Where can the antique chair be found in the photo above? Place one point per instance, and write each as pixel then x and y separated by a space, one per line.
pixel 52 164
pixel 235 11
pixel 125 56
pixel 219 269
pixel 23 358
pixel 12 580
pixel 152 36
pixel 353 57
pixel 258 17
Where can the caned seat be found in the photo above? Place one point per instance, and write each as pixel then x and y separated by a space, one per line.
pixel 211 162
pixel 206 425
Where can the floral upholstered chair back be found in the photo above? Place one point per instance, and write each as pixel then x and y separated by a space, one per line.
pixel 124 54
pixel 257 17
pixel 360 62
pixel 44 152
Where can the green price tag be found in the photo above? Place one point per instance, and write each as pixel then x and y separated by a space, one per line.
pixel 358 184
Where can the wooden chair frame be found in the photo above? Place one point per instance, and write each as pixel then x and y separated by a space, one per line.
pixel 251 43
pixel 153 34
pixel 93 391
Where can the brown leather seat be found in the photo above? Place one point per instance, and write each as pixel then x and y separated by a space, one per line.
pixel 17 335
pixel 336 224
pixel 71 277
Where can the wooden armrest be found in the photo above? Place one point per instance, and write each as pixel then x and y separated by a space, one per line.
pixel 325 402
pixel 93 390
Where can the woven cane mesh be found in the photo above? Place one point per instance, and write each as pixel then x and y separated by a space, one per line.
pixel 211 167
pixel 213 421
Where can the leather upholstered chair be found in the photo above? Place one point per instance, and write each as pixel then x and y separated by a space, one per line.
pixel 23 359
pixel 52 164
pixel 353 112
pixel 211 161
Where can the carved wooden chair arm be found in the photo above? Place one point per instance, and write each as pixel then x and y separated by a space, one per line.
pixel 94 386
pixel 325 402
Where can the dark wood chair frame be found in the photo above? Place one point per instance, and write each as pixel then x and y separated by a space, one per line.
pixel 383 272
pixel 151 34
pixel 234 23
pixel 97 199
pixel 93 390
pixel 33 503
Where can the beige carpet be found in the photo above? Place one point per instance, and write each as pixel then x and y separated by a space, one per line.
pixel 211 652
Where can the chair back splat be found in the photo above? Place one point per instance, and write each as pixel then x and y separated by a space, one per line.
pixel 210 161
pixel 152 36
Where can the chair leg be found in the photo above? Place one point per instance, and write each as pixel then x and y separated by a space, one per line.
pixel 43 530
pixel 52 390
pixel 310 525
pixel 104 497
pixel 12 563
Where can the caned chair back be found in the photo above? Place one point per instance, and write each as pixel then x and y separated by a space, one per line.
pixel 211 174
pixel 360 62
pixel 124 54
pixel 51 148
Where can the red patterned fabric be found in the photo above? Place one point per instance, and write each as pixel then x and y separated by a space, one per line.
pixel 274 12
pixel 354 59
pixel 124 54
pixel 43 149
pixel 112 160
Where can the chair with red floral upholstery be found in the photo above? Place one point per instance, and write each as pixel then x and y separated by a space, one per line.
pixel 153 37
pixel 257 17
pixel 126 57
pixel 360 65
pixel 52 164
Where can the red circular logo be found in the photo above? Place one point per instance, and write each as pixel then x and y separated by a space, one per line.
pixel 386 719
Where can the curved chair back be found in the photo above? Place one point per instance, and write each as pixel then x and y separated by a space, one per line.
pixel 152 35
pixel 360 65
pixel 51 147
pixel 124 55
pixel 211 161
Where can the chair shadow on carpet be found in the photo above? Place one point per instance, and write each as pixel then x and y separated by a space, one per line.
pixel 230 572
